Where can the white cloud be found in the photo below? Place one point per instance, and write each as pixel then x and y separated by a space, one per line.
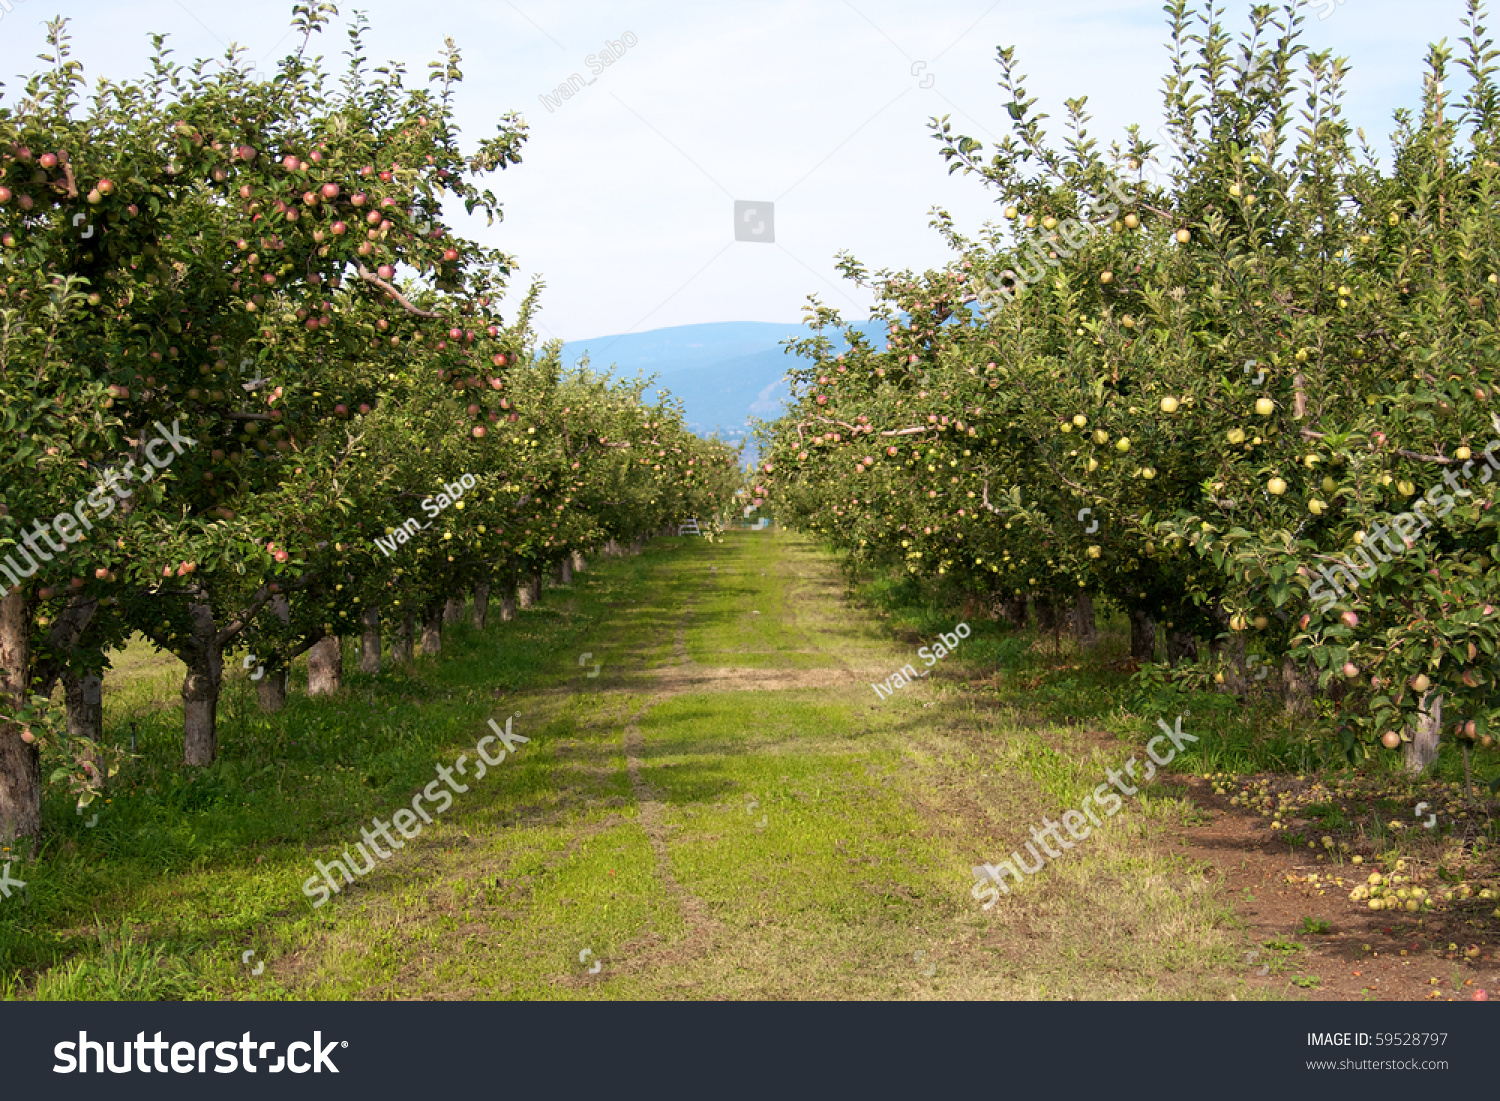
pixel 623 202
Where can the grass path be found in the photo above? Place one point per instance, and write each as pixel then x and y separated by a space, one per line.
pixel 731 812
pixel 719 808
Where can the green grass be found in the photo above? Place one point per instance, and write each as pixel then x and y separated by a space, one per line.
pixel 725 810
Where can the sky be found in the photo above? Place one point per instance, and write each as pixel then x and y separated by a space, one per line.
pixel 806 122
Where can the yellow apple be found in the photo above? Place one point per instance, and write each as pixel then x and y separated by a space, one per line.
pixel 1276 487
pixel 1236 435
pixel 1390 739
pixel 1169 405
pixel 1183 236
pixel 1094 552
pixel 1264 406
pixel 1012 213
pixel 1261 622
pixel 1122 444
pixel 1049 222
pixel 1420 683
pixel 1131 221
pixel 1234 191
pixel 1107 277
pixel 1329 485
pixel 1462 454
pixel 1080 420
pixel 1316 507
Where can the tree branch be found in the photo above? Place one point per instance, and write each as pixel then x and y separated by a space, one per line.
pixel 370 277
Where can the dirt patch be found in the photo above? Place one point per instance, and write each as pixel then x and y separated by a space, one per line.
pixel 1359 955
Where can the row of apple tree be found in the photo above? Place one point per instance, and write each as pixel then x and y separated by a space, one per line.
pixel 259 394
pixel 1237 378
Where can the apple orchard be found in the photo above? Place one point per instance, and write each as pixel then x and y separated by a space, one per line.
pixel 265 265
pixel 1234 376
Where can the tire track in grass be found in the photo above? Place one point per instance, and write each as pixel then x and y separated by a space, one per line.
pixel 695 914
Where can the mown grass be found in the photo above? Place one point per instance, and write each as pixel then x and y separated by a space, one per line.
pixel 801 840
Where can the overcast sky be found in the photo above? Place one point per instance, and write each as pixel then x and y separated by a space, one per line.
pixel 625 200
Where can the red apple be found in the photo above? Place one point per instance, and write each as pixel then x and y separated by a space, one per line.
pixel 385 271
pixel 450 254
pixel 364 409
pixel 245 153
pixel 478 431
pixel 338 229
pixel 358 198
pixel 329 190
pixel 341 410
pixel 48 160
pixel 1350 619
pixel 281 556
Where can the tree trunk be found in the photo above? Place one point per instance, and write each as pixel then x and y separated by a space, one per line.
pixel 270 691
pixel 325 666
pixel 530 591
pixel 401 645
pixel 638 545
pixel 200 691
pixel 20 761
pixel 565 572
pixel 432 628
pixel 85 699
pixel 453 611
pixel 1182 647
pixel 1013 610
pixel 580 563
pixel 508 602
pixel 481 605
pixel 1297 686
pixel 1046 614
pixel 1142 636
pixel 369 641
pixel 1084 627
pixel 613 549
pixel 1422 751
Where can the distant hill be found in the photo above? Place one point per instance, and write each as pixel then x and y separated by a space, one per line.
pixel 724 372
